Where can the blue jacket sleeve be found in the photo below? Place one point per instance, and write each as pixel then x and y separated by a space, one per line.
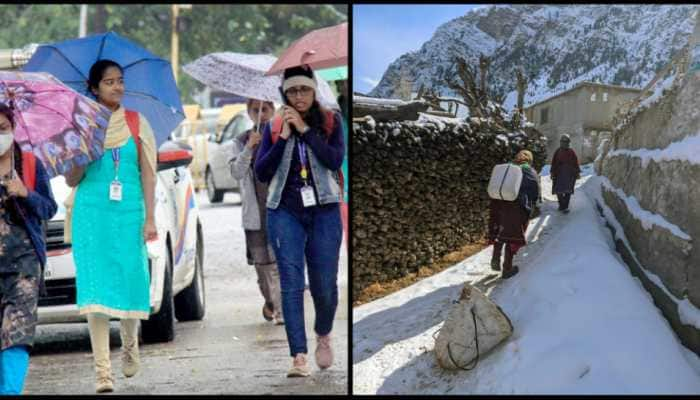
pixel 269 156
pixel 40 201
pixel 330 154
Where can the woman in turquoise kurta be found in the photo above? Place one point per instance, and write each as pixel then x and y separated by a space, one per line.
pixel 108 245
pixel 109 230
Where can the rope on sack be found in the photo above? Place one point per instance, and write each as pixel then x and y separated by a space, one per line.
pixel 467 367
pixel 476 340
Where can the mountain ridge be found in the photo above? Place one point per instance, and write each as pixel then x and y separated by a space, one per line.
pixel 558 46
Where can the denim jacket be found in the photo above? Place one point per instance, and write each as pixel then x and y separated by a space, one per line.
pixel 326 180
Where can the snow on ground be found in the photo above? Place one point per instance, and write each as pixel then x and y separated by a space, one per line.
pixel 583 324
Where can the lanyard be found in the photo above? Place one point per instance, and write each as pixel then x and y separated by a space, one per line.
pixel 302 159
pixel 116 155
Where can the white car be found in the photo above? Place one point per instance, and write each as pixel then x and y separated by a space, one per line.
pixel 175 259
pixel 218 172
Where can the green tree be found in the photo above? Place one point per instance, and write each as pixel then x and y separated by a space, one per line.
pixel 246 28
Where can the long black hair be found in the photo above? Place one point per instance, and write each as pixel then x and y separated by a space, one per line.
pixel 316 115
pixel 97 71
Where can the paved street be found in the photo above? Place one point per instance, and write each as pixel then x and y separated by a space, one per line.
pixel 232 351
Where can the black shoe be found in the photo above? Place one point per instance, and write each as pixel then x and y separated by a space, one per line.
pixel 510 272
pixel 565 211
pixel 267 312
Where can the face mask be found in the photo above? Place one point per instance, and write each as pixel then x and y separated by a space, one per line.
pixel 6 140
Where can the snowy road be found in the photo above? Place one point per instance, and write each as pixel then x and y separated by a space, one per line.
pixel 583 324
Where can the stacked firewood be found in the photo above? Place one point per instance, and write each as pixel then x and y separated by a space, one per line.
pixel 419 190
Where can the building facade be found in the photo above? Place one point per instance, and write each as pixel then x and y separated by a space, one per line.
pixel 584 112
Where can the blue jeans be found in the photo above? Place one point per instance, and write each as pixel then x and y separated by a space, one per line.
pixel 314 236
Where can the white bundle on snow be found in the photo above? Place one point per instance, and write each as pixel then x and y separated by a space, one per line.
pixel 474 326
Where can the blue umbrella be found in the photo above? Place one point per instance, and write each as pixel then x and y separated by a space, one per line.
pixel 150 86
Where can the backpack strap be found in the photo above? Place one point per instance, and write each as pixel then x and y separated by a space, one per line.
pixel 276 128
pixel 29 170
pixel 132 121
pixel 329 122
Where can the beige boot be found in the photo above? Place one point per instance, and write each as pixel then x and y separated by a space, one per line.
pixel 98 326
pixel 131 361
pixel 104 381
pixel 300 368
pixel 324 353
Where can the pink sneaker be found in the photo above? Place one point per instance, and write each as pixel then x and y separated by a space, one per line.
pixel 324 353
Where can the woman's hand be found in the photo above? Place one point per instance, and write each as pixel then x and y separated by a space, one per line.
pixel 293 117
pixel 74 176
pixel 150 233
pixel 286 130
pixel 16 188
pixel 254 139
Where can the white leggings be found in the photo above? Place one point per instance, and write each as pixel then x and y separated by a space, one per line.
pixel 98 325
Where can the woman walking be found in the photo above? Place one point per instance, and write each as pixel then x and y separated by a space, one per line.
pixel 254 214
pixel 300 155
pixel 112 219
pixel 565 171
pixel 25 201
pixel 508 220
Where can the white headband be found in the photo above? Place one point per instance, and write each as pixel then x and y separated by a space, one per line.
pixel 299 80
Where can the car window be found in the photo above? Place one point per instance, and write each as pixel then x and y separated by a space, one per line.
pixel 230 130
pixel 239 124
pixel 244 123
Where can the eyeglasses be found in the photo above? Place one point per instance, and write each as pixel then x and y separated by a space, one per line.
pixel 303 90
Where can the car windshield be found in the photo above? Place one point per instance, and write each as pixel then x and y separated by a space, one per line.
pixel 61 191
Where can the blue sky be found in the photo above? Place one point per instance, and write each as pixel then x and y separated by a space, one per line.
pixel 382 33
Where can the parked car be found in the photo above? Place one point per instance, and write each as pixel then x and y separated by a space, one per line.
pixel 218 173
pixel 175 260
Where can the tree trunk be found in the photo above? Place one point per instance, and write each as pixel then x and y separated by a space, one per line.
pixel 99 23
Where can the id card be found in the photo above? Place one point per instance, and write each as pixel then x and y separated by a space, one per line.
pixel 307 196
pixel 115 191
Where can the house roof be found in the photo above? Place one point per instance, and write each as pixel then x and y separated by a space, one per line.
pixel 581 85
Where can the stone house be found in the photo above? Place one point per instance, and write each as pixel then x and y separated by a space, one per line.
pixel 584 112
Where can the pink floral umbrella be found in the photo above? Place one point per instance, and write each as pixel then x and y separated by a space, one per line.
pixel 63 128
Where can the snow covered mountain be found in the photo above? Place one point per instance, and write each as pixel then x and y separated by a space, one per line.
pixel 556 45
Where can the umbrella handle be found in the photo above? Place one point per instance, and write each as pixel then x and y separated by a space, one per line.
pixel 259 112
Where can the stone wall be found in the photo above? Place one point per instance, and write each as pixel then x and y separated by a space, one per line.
pixel 419 190
pixel 647 162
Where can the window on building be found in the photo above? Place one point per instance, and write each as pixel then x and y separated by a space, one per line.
pixel 593 97
pixel 605 97
pixel 544 115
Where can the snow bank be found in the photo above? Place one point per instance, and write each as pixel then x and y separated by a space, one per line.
pixel 439 121
pixel 682 150
pixel 380 102
pixel 647 218
pixel 659 88
pixel 583 325
pixel 689 314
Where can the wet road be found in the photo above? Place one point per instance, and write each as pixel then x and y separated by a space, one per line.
pixel 231 351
